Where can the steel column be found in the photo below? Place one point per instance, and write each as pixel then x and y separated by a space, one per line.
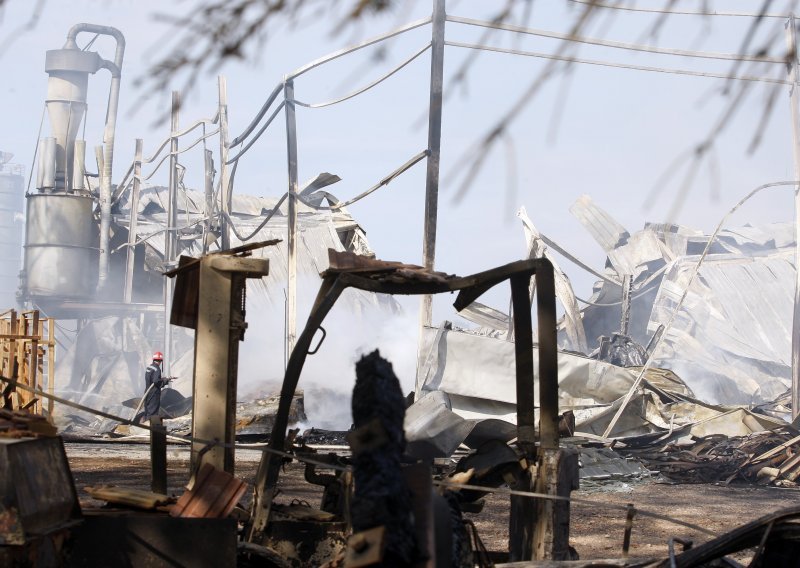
pixel 434 147
pixel 794 101
pixel 291 238
pixel 170 237
pixel 134 209
pixel 225 191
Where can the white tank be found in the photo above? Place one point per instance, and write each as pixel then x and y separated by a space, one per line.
pixel 12 205
pixel 61 246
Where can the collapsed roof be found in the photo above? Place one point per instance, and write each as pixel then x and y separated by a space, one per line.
pixel 726 338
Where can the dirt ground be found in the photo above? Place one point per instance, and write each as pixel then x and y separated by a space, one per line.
pixel 597 523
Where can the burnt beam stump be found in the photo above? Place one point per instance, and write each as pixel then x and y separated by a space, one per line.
pixel 382 496
pixel 539 527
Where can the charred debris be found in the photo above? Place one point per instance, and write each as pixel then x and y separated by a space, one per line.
pixel 678 365
pixel 388 500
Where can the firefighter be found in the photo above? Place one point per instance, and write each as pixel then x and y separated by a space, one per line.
pixel 153 383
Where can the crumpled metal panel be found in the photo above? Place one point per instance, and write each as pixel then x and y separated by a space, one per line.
pixel 602 226
pixel 731 340
pixel 481 367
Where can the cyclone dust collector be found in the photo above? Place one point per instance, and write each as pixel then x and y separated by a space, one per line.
pixel 66 254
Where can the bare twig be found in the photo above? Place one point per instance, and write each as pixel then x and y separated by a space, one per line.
pixel 36 13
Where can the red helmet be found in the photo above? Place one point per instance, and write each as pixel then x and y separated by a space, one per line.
pixel 158 356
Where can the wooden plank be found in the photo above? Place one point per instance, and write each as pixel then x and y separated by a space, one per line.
pixel 230 495
pixel 51 364
pixel 33 365
pixel 206 494
pixel 129 497
pixel 185 499
pixel 21 336
pixel 214 495
pixel 776 450
pixel 12 348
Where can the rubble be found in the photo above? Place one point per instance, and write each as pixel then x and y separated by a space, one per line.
pixel 22 424
pixel 762 457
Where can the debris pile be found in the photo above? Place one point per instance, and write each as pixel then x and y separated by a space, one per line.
pixel 762 457
pixel 21 424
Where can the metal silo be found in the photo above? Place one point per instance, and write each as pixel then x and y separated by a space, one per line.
pixel 12 205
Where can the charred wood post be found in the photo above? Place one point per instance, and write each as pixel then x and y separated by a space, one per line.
pixel 381 497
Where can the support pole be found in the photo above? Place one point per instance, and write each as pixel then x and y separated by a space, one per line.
pixel 225 191
pixel 434 155
pixel 219 329
pixel 434 147
pixel 170 238
pixel 158 455
pixel 51 363
pixel 134 208
pixel 208 206
pixel 794 101
pixel 291 239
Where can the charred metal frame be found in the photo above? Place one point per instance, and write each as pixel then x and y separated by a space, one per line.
pixel 469 289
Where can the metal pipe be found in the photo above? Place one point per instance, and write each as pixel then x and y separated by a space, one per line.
pixel 108 135
pixel 794 101
pixel 79 166
pixel 47 164
pixel 208 204
pixel 291 238
pixel 134 209
pixel 366 43
pixel 225 191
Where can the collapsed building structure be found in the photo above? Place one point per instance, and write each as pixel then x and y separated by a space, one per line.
pixel 704 320
pixel 97 254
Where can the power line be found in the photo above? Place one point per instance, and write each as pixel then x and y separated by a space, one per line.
pixel 619 65
pixel 366 88
pixel 615 44
pixel 678 12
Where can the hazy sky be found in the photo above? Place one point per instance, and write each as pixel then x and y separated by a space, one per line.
pixel 606 132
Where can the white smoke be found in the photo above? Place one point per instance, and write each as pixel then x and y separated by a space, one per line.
pixel 328 376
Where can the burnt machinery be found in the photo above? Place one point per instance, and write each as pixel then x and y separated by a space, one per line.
pixel 538 528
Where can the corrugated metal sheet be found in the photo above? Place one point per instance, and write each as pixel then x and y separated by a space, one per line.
pixel 731 339
pixel 602 226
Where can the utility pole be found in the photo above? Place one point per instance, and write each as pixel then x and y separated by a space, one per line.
pixel 434 155
pixel 794 101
